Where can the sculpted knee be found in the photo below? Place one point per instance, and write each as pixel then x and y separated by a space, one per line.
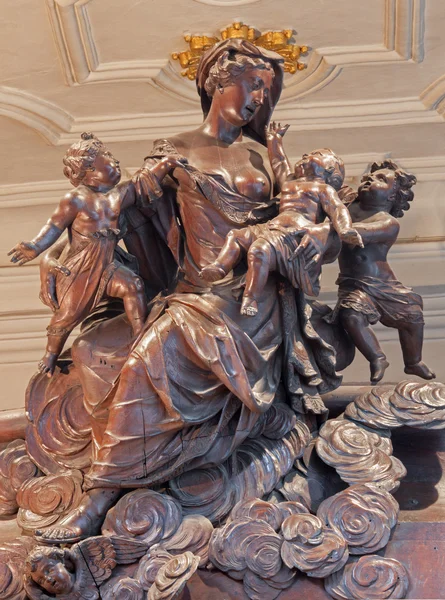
pixel 135 286
pixel 352 318
pixel 259 251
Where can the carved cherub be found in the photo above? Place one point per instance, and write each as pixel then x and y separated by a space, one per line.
pixel 368 290
pixel 308 196
pixel 78 572
pixel 87 270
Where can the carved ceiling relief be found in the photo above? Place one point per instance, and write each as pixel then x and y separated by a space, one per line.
pixel 277 41
pixel 402 41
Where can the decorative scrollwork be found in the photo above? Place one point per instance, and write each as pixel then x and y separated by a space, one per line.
pixel 253 471
pixel 419 404
pixel 311 547
pixel 15 469
pixel 193 536
pixel 12 561
pixel 372 408
pixel 359 455
pixel 363 514
pixel 144 515
pixel 277 41
pixel 173 576
pixel 370 577
pixel 273 514
pixel 257 588
pixel 122 588
pixel 150 564
pixel 59 433
pixel 411 404
pixel 246 543
pixel 43 500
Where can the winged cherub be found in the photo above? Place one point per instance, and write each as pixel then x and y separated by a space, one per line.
pixel 78 572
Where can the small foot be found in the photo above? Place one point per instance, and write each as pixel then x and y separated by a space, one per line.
pixel 213 272
pixel 75 527
pixel 249 306
pixel 378 368
pixel 48 363
pixel 421 370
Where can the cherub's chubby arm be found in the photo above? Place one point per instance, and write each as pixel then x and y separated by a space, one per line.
pixel 62 218
pixel 146 182
pixel 339 216
pixel 381 228
pixel 277 156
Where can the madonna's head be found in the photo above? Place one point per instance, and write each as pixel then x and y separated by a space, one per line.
pixel 244 80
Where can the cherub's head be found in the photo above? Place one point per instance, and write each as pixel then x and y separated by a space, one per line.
pixel 322 164
pixel 48 568
pixel 88 162
pixel 389 187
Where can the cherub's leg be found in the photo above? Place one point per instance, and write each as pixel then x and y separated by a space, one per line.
pixel 411 341
pixel 57 337
pixel 365 340
pixel 237 242
pixel 260 260
pixel 127 285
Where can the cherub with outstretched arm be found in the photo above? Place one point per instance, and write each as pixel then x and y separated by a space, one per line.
pixel 87 269
pixel 308 196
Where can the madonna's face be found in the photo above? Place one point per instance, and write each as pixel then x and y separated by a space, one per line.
pixel 240 101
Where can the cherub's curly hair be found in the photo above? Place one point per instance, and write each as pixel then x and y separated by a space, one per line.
pixel 404 181
pixel 36 556
pixel 329 152
pixel 79 157
pixel 228 67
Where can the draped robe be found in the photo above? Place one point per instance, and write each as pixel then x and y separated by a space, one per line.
pixel 190 389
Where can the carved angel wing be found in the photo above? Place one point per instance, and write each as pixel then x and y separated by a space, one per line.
pixel 98 554
pixel 128 551
pixel 102 554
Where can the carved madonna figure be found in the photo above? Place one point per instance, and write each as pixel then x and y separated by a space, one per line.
pixel 192 386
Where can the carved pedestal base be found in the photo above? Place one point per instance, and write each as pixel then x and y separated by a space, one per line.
pixel 324 528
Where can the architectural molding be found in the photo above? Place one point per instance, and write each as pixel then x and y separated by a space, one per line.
pixel 78 53
pixel 226 2
pixel 404 31
pixel 60 128
pixel 46 118
pixel 433 96
pixel 402 40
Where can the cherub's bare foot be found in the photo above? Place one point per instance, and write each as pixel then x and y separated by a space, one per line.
pixel 249 306
pixel 378 368
pixel 213 272
pixel 421 370
pixel 48 363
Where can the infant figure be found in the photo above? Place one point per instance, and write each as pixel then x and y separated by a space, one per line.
pixel 86 271
pixel 308 196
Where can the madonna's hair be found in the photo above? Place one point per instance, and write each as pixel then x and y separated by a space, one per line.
pixel 228 67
